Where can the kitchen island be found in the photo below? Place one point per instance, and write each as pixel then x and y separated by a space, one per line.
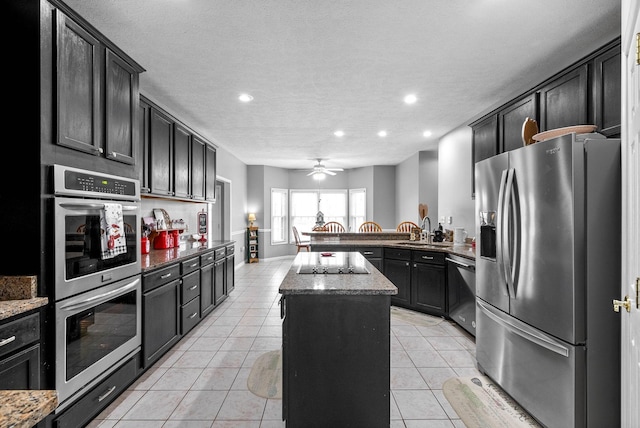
pixel 335 342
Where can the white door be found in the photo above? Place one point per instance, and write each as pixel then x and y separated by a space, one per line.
pixel 630 375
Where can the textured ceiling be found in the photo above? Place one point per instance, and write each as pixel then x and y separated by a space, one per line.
pixel 317 66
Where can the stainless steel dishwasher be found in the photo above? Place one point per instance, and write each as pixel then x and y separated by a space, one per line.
pixel 461 283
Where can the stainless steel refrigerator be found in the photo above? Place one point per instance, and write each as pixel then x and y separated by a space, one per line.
pixel 548 268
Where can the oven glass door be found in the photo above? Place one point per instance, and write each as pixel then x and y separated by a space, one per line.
pixel 95 331
pixel 80 262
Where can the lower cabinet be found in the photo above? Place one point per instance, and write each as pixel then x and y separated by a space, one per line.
pixel 97 399
pixel 160 312
pixel 218 281
pixel 397 269
pixel 372 254
pixel 190 301
pixel 420 277
pixel 206 284
pixel 230 270
pixel 20 353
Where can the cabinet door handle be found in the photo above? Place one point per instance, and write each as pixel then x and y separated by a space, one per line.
pixel 415 265
pixel 407 264
pixel 193 288
pixel 193 315
pixel 427 258
pixel 368 253
pixel 106 394
pixel 194 265
pixel 7 340
pixel 165 276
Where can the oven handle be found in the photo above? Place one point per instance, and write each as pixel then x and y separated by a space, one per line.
pixel 86 206
pixel 91 301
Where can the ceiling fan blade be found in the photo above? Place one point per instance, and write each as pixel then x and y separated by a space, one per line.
pixel 311 173
pixel 327 171
pixel 334 169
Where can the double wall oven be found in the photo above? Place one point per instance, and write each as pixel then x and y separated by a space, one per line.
pixel 97 293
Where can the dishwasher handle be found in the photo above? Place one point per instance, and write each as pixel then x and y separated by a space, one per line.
pixel 462 265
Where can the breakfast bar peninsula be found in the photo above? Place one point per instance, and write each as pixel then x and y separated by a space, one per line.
pixel 335 308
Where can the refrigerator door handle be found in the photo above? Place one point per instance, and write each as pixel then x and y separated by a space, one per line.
pixel 524 331
pixel 500 231
pixel 508 232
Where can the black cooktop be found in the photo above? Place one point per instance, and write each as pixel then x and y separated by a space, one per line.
pixel 333 263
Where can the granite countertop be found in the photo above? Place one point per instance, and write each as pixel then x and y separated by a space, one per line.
pixel 158 258
pixel 25 408
pixel 463 250
pixel 373 283
pixel 18 294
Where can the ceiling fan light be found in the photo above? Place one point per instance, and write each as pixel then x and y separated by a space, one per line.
pixel 382 134
pixel 410 99
pixel 245 98
pixel 339 133
pixel 318 176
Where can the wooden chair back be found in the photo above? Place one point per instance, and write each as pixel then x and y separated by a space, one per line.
pixel 299 244
pixel 406 226
pixel 334 226
pixel 369 226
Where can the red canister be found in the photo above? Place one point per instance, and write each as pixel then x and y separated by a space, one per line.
pixel 175 234
pixel 144 245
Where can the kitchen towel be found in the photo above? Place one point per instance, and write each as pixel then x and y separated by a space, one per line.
pixel 113 237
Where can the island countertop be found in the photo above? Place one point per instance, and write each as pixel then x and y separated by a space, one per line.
pixel 372 283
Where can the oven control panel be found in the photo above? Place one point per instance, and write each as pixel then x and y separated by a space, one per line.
pixel 79 182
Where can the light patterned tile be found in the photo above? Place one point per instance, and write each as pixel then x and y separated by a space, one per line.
pixel 155 405
pixel 228 359
pixel 199 405
pixel 177 379
pixel 219 379
pixel 242 406
pixel 418 404
pixel 406 378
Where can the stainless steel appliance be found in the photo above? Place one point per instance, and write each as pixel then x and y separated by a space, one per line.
pixel 96 331
pixel 97 295
pixel 79 199
pixel 548 267
pixel 461 289
pixel 332 263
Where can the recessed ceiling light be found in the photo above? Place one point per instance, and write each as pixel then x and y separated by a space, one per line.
pixel 339 133
pixel 410 99
pixel 245 98
pixel 382 134
pixel 426 134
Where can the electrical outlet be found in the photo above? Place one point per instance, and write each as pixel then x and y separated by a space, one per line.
pixel 449 220
pixel 441 220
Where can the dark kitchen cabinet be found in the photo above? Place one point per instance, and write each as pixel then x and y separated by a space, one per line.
pixel 206 284
pixel 372 254
pixel 511 119
pixel 335 360
pixel 181 162
pixel 189 294
pixel 78 86
pixel 230 269
pixel 160 312
pixel 20 352
pixel 210 173
pixel 144 117
pixel 563 101
pixel 484 134
pixel 607 92
pixel 198 148
pixel 84 109
pixel 218 280
pixel 160 153
pixel 428 282
pixel 397 269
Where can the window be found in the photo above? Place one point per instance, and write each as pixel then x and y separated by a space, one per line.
pixel 279 217
pixel 357 208
pixel 305 204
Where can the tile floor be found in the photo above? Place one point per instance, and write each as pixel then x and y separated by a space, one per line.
pixel 202 381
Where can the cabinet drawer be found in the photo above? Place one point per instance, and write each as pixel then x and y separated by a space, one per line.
pixel 369 252
pixel 207 259
pixel 16 334
pixel 190 315
pixel 220 253
pixel 431 257
pixel 190 265
pixel 21 370
pixel 230 249
pixel 160 277
pixel 190 287
pixel 81 412
pixel 397 253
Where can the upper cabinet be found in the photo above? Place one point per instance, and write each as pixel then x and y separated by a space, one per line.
pixel 177 163
pixel 588 92
pixel 97 93
pixel 563 102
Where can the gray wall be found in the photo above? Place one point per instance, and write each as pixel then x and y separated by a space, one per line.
pixel 384 197
pixel 416 183
pixel 454 180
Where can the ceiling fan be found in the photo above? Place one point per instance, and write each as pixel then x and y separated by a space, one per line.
pixel 319 169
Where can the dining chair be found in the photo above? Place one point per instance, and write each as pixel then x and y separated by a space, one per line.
pixel 299 243
pixel 406 226
pixel 369 226
pixel 334 226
